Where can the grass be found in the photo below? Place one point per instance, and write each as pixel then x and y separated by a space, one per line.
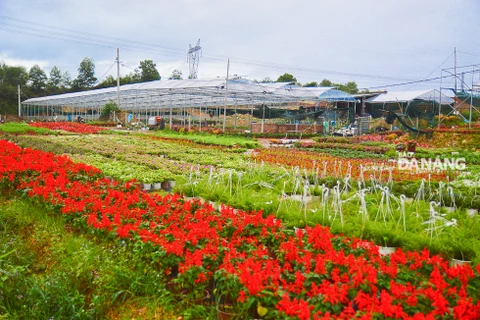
pixel 220 140
pixel 22 128
pixel 49 270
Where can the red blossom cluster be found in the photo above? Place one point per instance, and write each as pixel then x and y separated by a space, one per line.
pixel 302 274
pixel 68 126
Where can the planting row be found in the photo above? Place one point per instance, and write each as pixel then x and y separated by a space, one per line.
pixel 257 267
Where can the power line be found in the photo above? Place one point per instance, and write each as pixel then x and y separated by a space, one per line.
pixel 413 82
pixel 111 42
pixel 101 78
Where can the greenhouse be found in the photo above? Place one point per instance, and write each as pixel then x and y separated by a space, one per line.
pixel 177 100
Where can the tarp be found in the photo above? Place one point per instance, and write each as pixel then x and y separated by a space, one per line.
pixel 408 96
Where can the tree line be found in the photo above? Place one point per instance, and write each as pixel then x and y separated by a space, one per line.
pixel 36 83
pixel 350 87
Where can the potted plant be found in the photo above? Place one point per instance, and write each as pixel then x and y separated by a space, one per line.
pixel 411 145
pixel 462 251
pixel 400 147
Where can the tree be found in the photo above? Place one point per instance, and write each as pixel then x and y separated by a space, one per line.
pixel 58 81
pixel 267 80
pixel 311 84
pixel 55 79
pixel 326 83
pixel 176 75
pixel 37 78
pixel 86 74
pixel 350 87
pixel 286 77
pixel 148 72
pixel 15 76
pixel 108 108
pixel 109 81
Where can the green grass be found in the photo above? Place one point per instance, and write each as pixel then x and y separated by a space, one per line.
pixel 220 140
pixel 49 270
pixel 22 128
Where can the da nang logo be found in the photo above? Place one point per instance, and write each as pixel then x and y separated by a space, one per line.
pixel 407 162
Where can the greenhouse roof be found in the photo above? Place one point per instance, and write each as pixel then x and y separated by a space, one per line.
pixel 408 96
pixel 192 92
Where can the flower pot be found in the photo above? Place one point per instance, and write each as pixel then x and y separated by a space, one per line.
pixel 185 295
pixel 456 262
pixel 171 184
pixel 385 251
pixel 147 186
pixel 226 312
pixel 157 186
pixel 165 185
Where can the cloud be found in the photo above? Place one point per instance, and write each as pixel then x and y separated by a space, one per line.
pixel 371 41
pixel 27 63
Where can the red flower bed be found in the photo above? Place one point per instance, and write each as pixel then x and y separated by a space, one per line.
pixel 262 266
pixel 68 126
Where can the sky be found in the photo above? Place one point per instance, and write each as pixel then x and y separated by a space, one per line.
pixel 377 43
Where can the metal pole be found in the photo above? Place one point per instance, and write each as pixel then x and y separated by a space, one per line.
pixel 455 66
pixel 19 103
pixel 225 97
pixel 118 77
pixel 471 100
pixel 235 123
pixel 440 101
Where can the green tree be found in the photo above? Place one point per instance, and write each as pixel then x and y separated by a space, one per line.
pixel 350 87
pixel 326 83
pixel 132 77
pixel 86 75
pixel 311 84
pixel 55 79
pixel 109 81
pixel 10 78
pixel 286 77
pixel 37 78
pixel 176 75
pixel 148 71
pixel 108 108
pixel 267 80
pixel 58 81
pixel 15 76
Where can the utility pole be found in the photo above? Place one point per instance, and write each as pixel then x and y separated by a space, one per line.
pixel 118 81
pixel 455 67
pixel 19 103
pixel 225 97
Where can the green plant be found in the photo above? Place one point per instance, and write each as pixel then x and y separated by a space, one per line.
pixel 108 108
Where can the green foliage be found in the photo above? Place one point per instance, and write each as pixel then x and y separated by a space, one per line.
pixel 13 76
pixel 350 87
pixel 286 77
pixel 58 81
pixel 311 84
pixel 37 78
pixel 326 83
pixel 212 139
pixel 49 269
pixel 176 75
pixel 86 75
pixel 22 128
pixel 148 71
pixel 108 108
pixel 475 115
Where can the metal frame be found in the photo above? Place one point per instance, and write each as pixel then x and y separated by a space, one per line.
pixel 174 97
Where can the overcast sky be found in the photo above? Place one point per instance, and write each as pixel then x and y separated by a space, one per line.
pixel 372 42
